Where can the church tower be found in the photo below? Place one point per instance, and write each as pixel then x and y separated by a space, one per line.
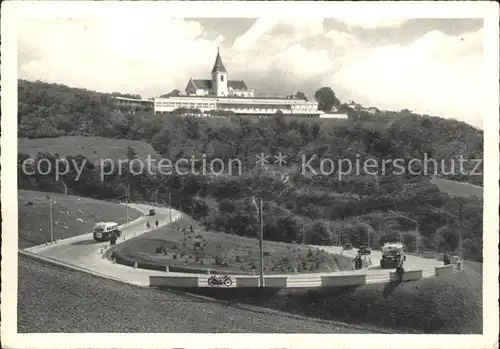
pixel 219 77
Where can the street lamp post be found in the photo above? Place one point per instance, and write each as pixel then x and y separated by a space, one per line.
pixel 460 223
pixel 416 228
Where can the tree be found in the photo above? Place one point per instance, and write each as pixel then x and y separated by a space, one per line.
pixel 326 99
pixel 174 92
pixel 131 154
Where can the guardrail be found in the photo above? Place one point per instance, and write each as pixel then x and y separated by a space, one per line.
pixel 343 280
pixel 289 281
pixel 409 275
pixel 444 270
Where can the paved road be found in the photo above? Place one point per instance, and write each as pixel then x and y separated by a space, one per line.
pixel 83 252
pixel 412 262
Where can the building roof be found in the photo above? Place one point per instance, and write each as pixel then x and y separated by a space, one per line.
pixel 237 84
pixel 218 65
pixel 202 84
pixel 205 84
pixel 149 100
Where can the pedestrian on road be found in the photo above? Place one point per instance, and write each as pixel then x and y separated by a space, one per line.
pixel 148 225
pixel 157 224
pixel 446 259
pixel 358 262
pixel 112 238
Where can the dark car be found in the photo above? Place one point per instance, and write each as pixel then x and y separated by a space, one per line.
pixel 347 247
pixel 152 212
pixel 364 250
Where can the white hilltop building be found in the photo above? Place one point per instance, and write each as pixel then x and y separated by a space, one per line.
pixel 210 96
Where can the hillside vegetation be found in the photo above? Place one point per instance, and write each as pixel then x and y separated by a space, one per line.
pixel 317 209
pixel 182 249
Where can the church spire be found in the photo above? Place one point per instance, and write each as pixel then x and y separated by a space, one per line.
pixel 218 65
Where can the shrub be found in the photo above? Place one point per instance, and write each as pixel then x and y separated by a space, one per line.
pixel 266 254
pixel 238 259
pixel 174 256
pixel 197 244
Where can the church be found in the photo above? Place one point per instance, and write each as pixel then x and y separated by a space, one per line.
pixel 219 85
pixel 209 96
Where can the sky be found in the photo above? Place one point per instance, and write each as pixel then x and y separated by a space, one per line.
pixel 429 66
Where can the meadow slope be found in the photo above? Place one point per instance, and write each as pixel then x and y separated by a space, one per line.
pixel 72 216
pixel 93 148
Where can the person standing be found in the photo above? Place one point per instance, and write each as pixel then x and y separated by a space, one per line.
pixel 112 238
pixel 446 259
pixel 157 223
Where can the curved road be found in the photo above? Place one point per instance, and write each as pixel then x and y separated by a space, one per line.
pixel 85 253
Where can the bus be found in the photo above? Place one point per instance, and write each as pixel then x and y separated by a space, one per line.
pixel 102 230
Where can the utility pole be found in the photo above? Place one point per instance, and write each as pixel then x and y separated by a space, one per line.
pixel 261 245
pixel 460 223
pixel 127 193
pixel 156 197
pixel 170 206
pixel 261 238
pixel 418 237
pixel 51 223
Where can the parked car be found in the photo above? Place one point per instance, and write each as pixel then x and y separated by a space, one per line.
pixel 152 212
pixel 347 247
pixel 364 250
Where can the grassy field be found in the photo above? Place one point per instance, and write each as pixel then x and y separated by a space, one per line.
pixel 443 305
pixel 93 148
pixel 177 246
pixel 72 216
pixel 458 188
pixel 55 299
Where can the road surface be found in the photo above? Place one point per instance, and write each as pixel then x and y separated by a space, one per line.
pixel 86 254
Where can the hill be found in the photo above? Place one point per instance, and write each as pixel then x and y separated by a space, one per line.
pixel 72 216
pixel 92 148
pixel 325 207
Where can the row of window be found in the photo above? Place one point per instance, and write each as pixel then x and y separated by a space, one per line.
pixel 212 106
pixel 184 105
